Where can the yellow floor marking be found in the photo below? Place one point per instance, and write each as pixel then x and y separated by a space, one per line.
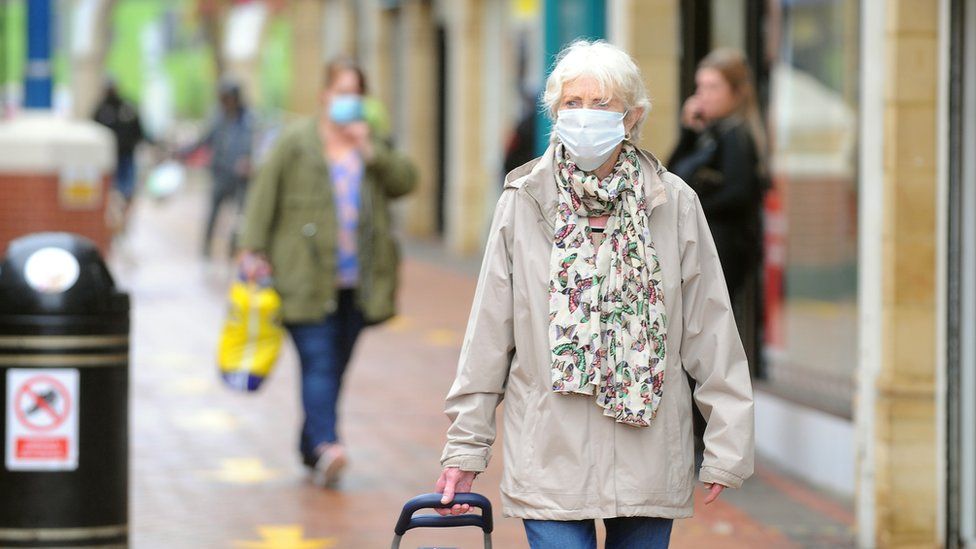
pixel 442 338
pixel 242 471
pixel 286 537
pixel 723 528
pixel 210 420
pixel 399 324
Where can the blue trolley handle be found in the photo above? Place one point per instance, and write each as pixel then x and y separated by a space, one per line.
pixel 433 501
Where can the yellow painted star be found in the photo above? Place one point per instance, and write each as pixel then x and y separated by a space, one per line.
pixel 441 338
pixel 285 537
pixel 399 323
pixel 242 471
pixel 210 420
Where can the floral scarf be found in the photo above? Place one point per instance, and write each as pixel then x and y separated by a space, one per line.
pixel 607 321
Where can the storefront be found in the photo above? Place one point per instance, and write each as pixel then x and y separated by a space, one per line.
pixel 800 321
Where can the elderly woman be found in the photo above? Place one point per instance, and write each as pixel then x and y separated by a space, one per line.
pixel 600 287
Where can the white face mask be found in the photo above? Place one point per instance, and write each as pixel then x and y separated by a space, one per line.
pixel 590 135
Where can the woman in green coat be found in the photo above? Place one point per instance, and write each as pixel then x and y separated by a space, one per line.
pixel 318 218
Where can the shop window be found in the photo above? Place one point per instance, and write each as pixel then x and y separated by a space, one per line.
pixel 811 211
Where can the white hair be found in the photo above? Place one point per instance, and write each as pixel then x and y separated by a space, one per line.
pixel 614 70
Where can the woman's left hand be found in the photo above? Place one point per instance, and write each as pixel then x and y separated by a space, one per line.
pixel 714 489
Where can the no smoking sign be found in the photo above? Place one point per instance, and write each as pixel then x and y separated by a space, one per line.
pixel 42 420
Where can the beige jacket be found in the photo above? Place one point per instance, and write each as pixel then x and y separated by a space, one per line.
pixel 564 460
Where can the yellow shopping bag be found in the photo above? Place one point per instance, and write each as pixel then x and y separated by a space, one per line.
pixel 252 335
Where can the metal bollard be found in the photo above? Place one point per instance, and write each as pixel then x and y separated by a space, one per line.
pixel 64 358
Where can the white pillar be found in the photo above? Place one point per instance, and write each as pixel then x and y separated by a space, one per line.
pixel 870 242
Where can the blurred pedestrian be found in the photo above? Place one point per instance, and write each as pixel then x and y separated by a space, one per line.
pixel 590 348
pixel 521 146
pixel 318 216
pixel 230 139
pixel 720 154
pixel 122 118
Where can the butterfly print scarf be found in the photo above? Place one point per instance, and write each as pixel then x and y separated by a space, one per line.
pixel 607 321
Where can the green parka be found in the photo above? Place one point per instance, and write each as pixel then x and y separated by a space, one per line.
pixel 290 217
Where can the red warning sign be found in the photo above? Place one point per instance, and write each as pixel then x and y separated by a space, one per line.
pixel 42 448
pixel 42 420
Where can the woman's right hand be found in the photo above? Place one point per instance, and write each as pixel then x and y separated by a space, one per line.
pixel 691 116
pixel 454 481
pixel 253 266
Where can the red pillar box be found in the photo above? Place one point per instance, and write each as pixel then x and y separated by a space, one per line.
pixel 55 175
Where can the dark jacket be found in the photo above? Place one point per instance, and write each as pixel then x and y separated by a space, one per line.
pixel 722 165
pixel 123 119
pixel 290 216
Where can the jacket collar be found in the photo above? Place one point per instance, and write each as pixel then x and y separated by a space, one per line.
pixel 540 184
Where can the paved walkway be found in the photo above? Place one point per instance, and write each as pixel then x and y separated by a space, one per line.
pixel 215 469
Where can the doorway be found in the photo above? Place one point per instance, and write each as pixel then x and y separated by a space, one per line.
pixel 707 25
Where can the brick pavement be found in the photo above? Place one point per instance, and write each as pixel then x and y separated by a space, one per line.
pixel 215 469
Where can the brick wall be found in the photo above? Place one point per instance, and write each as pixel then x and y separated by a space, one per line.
pixel 30 203
pixel 822 228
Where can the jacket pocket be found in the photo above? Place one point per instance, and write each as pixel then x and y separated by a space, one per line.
pixel 290 259
pixel 560 453
pixel 680 457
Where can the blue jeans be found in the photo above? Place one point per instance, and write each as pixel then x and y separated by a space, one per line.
pixel 125 176
pixel 324 349
pixel 622 533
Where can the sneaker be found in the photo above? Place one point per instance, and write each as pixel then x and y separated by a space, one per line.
pixel 328 468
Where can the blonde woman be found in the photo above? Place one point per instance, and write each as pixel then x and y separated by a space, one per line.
pixel 599 289
pixel 720 155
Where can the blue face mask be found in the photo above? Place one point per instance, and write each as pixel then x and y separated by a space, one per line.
pixel 346 109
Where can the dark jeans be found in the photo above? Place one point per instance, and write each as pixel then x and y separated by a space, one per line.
pixel 225 189
pixel 622 533
pixel 324 349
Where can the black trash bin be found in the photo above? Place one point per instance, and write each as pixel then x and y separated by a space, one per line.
pixel 64 353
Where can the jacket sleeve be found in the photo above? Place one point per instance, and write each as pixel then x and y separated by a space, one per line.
pixel 737 163
pixel 262 198
pixel 204 140
pixel 394 173
pixel 712 354
pixel 486 353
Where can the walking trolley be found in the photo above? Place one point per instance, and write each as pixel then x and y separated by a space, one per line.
pixel 433 501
